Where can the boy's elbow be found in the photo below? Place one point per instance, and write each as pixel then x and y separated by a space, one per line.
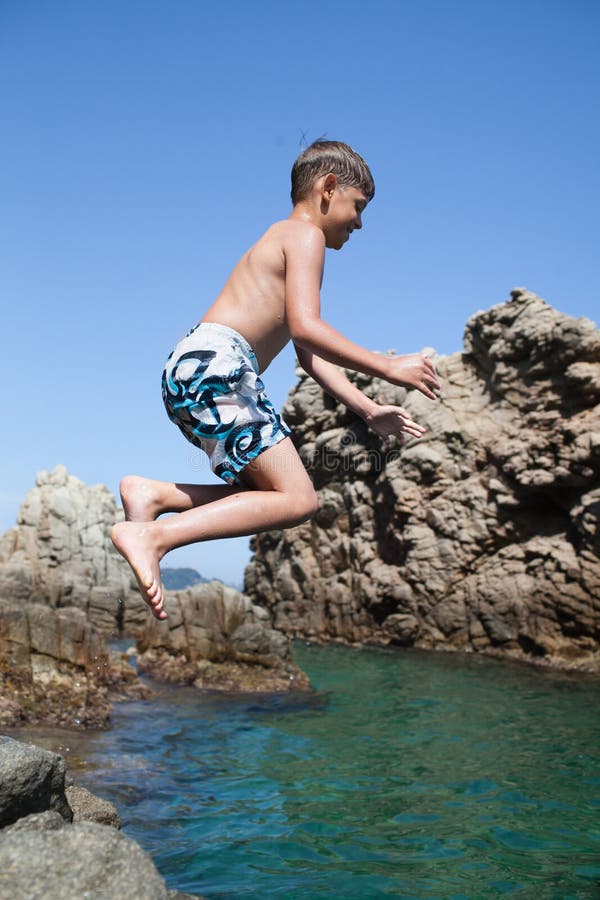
pixel 302 334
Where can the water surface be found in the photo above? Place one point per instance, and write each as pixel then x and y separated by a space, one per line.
pixel 406 774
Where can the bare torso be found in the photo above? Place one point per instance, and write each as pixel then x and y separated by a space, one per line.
pixel 253 299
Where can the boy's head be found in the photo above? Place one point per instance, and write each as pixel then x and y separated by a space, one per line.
pixel 323 157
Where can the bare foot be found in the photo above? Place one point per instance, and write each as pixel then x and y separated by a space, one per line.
pixel 134 542
pixel 140 498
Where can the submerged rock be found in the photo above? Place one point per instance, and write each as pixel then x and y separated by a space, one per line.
pixel 483 535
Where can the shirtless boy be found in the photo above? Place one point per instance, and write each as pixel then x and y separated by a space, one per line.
pixel 213 392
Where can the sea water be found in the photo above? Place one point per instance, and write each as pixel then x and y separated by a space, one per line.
pixel 405 774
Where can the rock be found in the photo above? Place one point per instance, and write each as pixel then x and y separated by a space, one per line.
pixel 178 895
pixel 49 820
pixel 11 713
pixel 64 588
pixel 215 638
pixel 89 808
pixel 55 668
pixel 81 860
pixel 484 535
pixel 60 554
pixel 43 855
pixel 32 780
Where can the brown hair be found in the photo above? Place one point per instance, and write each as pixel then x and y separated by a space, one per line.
pixel 323 157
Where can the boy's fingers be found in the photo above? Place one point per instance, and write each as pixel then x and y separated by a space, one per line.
pixel 428 392
pixel 413 428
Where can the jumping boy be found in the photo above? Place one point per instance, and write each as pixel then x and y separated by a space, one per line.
pixel 213 391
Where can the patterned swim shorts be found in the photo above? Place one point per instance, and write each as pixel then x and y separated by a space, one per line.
pixel 212 392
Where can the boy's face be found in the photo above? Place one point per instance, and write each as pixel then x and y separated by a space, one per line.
pixel 346 205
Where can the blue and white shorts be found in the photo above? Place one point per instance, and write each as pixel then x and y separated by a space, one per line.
pixel 212 392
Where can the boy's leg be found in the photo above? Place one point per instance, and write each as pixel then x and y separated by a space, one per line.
pixel 281 495
pixel 144 499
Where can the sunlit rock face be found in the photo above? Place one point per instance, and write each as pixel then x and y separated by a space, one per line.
pixel 484 534
pixel 216 639
pixel 64 589
pixel 60 554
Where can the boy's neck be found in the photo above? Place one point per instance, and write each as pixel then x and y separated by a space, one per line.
pixel 308 211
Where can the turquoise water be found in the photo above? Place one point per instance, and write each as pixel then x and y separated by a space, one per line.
pixel 407 775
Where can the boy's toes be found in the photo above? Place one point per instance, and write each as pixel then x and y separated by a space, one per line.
pixel 152 589
pixel 156 605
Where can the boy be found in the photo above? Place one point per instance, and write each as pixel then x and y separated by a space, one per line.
pixel 213 392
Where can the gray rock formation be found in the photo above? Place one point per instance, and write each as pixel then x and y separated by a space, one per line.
pixel 83 860
pixel 484 535
pixel 55 667
pixel 87 807
pixel 215 638
pixel 32 780
pixel 60 554
pixel 64 588
pixel 43 856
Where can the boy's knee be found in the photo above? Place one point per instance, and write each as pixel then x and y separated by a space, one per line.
pixel 307 505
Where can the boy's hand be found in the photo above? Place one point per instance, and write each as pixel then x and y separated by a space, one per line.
pixel 413 371
pixel 394 421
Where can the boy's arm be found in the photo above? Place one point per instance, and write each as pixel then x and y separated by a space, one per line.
pixel 304 255
pixel 385 420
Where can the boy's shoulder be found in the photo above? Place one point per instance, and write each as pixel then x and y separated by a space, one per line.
pixel 292 233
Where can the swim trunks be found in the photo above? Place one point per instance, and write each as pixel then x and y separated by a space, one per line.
pixel 212 392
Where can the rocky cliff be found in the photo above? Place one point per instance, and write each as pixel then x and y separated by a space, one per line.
pixel 483 535
pixel 215 638
pixel 56 668
pixel 64 589
pixel 60 554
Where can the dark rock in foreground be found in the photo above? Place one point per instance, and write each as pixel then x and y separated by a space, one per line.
pixel 83 860
pixel 483 535
pixel 43 856
pixel 216 639
pixel 31 781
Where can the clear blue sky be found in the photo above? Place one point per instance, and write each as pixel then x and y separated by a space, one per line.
pixel 145 143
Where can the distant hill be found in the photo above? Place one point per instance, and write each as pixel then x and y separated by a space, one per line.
pixel 180 579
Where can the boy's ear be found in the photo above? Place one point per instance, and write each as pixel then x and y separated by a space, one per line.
pixel 329 185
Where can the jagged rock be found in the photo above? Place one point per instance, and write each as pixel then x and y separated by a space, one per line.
pixel 63 587
pixel 32 780
pixel 214 637
pixel 484 535
pixel 55 667
pixel 60 554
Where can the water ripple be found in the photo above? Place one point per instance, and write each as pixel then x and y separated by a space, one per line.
pixel 406 774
